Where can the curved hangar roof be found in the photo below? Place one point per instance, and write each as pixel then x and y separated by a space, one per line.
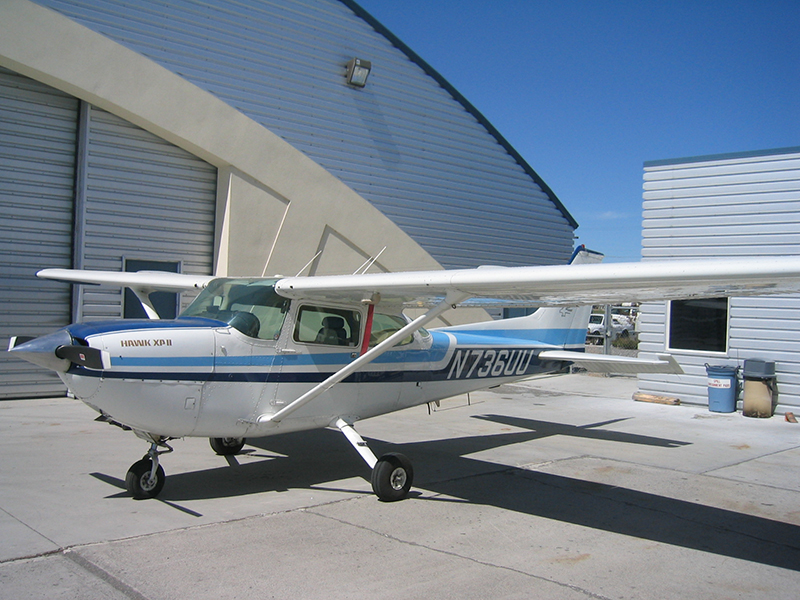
pixel 408 142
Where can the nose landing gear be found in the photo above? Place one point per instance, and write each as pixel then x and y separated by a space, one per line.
pixel 145 478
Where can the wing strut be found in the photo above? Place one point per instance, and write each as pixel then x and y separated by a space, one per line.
pixel 449 302
pixel 147 304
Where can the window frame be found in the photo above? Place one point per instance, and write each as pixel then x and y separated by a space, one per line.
pixel 333 310
pixel 668 342
pixel 166 304
pixel 222 289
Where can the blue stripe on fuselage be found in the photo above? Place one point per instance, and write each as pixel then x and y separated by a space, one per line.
pixel 542 337
pixel 465 363
pixel 477 354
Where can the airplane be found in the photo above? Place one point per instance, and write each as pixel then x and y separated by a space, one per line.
pixel 258 356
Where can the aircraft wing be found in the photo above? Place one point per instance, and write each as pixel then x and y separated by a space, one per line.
pixel 145 281
pixel 141 283
pixel 560 285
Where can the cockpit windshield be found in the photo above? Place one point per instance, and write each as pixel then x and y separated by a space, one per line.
pixel 249 305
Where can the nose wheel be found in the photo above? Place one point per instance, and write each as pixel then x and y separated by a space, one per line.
pixel 146 477
pixel 140 480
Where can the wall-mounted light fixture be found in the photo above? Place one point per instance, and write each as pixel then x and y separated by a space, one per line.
pixel 358 71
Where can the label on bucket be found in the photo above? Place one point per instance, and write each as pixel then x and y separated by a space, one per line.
pixel 723 384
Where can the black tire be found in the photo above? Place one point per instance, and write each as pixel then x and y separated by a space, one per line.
pixel 227 446
pixel 392 477
pixel 137 480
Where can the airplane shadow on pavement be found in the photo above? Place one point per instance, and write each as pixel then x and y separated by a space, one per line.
pixel 316 459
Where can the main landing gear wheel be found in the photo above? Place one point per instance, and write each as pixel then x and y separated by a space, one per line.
pixel 392 477
pixel 140 482
pixel 227 446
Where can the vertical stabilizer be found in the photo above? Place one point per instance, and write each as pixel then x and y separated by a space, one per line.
pixel 556 326
pixel 584 256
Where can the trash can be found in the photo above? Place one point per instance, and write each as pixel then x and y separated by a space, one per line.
pixel 759 388
pixel 723 387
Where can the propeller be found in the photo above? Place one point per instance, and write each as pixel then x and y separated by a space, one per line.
pixel 85 356
pixel 57 350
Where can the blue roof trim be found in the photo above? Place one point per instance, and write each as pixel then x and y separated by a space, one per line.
pixel 380 28
pixel 728 156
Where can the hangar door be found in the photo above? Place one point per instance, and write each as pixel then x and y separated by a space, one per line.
pixel 38 133
pixel 83 188
pixel 143 201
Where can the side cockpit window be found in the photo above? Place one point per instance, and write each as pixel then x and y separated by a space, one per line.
pixel 328 326
pixel 249 305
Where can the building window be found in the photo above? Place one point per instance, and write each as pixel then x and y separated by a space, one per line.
pixel 165 303
pixel 700 325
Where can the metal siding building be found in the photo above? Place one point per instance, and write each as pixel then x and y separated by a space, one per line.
pixel 734 205
pixel 407 142
pixel 81 187
pixel 38 136
pixel 142 199
pixel 221 137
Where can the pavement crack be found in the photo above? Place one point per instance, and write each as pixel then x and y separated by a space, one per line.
pixel 57 547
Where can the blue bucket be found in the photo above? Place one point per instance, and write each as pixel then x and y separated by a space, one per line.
pixel 723 388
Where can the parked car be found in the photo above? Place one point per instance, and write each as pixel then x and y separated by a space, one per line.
pixel 621 326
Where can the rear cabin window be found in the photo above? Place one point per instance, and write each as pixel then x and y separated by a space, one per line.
pixel 328 326
pixel 383 326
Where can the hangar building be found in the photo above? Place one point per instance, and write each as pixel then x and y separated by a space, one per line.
pixel 723 206
pixel 215 137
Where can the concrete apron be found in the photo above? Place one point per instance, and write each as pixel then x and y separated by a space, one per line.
pixel 558 488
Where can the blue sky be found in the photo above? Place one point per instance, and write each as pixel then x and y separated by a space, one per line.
pixel 587 91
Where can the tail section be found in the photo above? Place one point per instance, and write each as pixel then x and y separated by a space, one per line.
pixel 562 327
pixel 558 335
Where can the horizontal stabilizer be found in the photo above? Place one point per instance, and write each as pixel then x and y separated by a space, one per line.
pixel 606 363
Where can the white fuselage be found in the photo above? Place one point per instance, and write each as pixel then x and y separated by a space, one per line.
pixel 192 377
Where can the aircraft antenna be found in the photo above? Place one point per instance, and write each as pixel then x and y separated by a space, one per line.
pixel 275 241
pixel 308 264
pixel 369 262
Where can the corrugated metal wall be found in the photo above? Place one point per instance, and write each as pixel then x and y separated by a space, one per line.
pixel 727 206
pixel 37 171
pixel 81 187
pixel 145 199
pixel 405 142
